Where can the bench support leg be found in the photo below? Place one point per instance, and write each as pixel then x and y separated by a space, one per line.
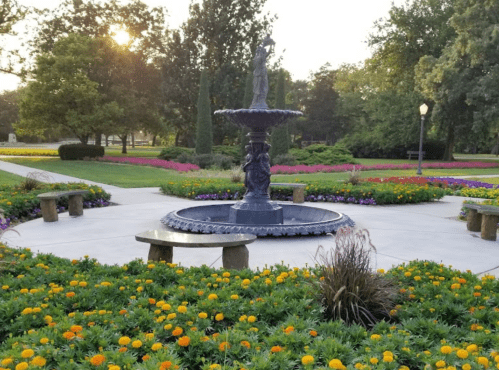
pixel 75 205
pixel 489 227
pixel 474 220
pixel 49 211
pixel 299 195
pixel 235 258
pixel 160 253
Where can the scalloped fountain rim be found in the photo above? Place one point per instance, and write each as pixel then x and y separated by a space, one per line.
pixel 298 220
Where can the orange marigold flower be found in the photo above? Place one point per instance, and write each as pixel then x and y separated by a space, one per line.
pixel 152 301
pixel 224 346
pixel 70 294
pixel 123 349
pixel 184 341
pixel 145 357
pixel 276 349
pixel 76 328
pixel 165 365
pixel 97 360
pixel 313 333
pixel 68 335
pixel 289 329
pixel 246 344
pixel 177 331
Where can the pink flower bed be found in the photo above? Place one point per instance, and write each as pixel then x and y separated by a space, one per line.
pixel 181 167
pixel 348 167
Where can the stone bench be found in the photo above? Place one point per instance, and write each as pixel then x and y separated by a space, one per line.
pixel 48 203
pixel 298 190
pixel 414 152
pixel 484 219
pixel 235 255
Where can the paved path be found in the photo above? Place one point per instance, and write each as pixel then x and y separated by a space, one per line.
pixel 400 234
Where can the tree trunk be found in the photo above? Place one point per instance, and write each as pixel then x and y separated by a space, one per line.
pixel 154 140
pixel 84 139
pixel 449 144
pixel 123 144
pixel 107 140
pixel 133 140
pixel 98 138
pixel 177 137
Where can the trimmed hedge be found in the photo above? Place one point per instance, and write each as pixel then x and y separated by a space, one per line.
pixel 80 151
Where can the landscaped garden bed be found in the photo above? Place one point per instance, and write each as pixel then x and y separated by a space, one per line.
pixel 180 167
pixel 20 203
pixel 63 314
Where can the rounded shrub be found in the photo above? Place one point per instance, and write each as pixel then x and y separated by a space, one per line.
pixel 173 152
pixel 80 151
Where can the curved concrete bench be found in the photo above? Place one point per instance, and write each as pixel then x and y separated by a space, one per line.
pixel 483 218
pixel 48 206
pixel 298 190
pixel 235 255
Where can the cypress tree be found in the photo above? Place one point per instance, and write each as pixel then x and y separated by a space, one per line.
pixel 279 139
pixel 204 132
pixel 248 98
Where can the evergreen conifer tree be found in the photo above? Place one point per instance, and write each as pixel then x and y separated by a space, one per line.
pixel 279 139
pixel 204 132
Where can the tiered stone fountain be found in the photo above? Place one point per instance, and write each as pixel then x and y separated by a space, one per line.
pixel 256 213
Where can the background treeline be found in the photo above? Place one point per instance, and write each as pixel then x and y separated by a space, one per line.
pixel 82 83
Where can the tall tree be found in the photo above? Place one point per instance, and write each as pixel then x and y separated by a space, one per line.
pixel 219 36
pixel 9 112
pixel 204 133
pixel 10 13
pixel 279 138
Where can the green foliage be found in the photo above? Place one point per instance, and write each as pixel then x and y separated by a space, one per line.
pixel 230 151
pixel 323 154
pixel 173 152
pixel 204 161
pixel 21 202
pixel 204 133
pixel 285 160
pixel 80 151
pixel 349 288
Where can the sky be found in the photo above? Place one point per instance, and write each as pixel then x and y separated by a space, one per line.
pixel 307 35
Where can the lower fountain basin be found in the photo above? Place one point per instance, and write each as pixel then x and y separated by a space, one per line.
pixel 298 220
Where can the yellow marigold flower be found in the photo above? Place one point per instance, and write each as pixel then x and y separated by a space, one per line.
pixel 39 361
pixel 246 282
pixel 184 341
pixel 166 307
pixel 373 360
pixel 234 296
pixel 156 346
pixel 212 297
pixel 177 331
pixel 446 350
pixel 375 336
pixel 97 360
pixel 307 360
pixel 484 361
pixel 44 340
pixel 171 316
pixel 73 283
pixel 219 316
pixel 27 353
pixel 167 326
pixel 251 318
pixel 27 311
pixel 336 364
pixel 466 366
pixel 7 361
pixel 114 367
pixel 472 348
pixel 462 353
pixel 83 284
pixel 276 349
pixel 5 287
pixel 387 358
pixel 243 318
pixel 137 344
pixel 182 309
pixel 202 315
pixel 22 366
pixel 440 363
pixel 123 341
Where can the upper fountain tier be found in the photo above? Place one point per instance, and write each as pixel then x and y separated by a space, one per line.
pixel 258 119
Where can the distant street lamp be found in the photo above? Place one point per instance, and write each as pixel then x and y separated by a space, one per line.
pixel 423 110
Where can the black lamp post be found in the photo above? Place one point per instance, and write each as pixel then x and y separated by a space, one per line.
pixel 423 110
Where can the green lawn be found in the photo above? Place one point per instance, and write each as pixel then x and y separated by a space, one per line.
pixel 148 152
pixel 7 178
pixel 130 176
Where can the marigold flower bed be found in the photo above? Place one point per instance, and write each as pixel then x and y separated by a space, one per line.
pixel 170 165
pixel 62 314
pixel 29 152
pixel 331 191
pixel 279 169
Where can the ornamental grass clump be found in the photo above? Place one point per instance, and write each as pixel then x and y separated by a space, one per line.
pixel 349 289
pixel 33 181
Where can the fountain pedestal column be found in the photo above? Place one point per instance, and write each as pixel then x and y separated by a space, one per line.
pixel 256 208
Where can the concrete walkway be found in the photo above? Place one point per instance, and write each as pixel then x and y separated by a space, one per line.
pixel 428 231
